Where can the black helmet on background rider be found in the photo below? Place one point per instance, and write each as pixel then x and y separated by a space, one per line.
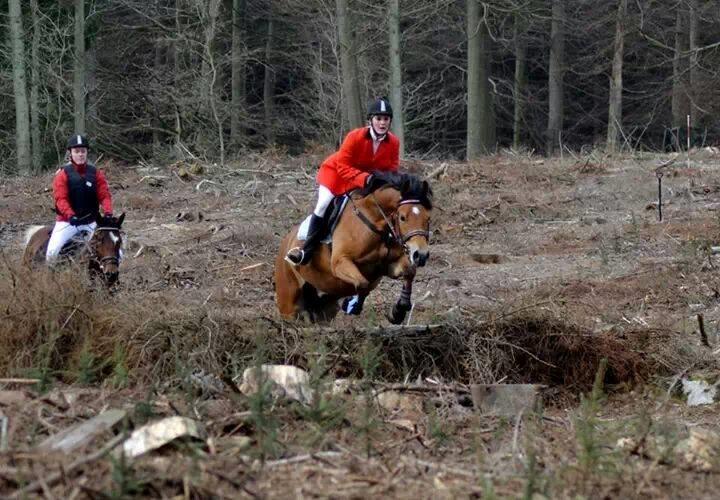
pixel 78 141
pixel 380 106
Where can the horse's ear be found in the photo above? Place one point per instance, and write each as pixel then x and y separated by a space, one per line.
pixel 121 219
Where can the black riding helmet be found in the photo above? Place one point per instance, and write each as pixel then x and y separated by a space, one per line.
pixel 380 106
pixel 78 141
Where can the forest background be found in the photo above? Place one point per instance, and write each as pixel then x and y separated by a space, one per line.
pixel 163 79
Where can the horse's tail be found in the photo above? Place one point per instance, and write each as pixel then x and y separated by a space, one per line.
pixel 31 232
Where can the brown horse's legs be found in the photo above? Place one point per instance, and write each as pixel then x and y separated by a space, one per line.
pixel 403 305
pixel 288 291
pixel 346 270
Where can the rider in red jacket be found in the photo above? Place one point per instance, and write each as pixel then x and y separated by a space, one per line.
pixel 364 151
pixel 79 190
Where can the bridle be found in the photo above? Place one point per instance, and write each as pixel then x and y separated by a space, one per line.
pixel 108 259
pixel 392 235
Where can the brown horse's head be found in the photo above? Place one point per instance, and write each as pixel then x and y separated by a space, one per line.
pixel 413 219
pixel 408 201
pixel 105 248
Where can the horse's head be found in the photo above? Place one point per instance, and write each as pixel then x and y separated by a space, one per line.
pixel 413 219
pixel 105 247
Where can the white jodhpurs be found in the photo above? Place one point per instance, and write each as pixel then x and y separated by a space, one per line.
pixel 61 234
pixel 325 196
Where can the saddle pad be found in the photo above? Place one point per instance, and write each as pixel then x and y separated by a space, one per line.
pixel 334 211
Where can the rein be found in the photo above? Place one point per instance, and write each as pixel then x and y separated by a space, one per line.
pixel 392 234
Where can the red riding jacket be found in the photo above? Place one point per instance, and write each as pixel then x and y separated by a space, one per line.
pixel 61 193
pixel 348 168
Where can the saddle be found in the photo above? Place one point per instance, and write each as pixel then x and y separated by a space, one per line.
pixel 331 219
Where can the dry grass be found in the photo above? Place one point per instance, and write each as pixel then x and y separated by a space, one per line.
pixel 580 272
pixel 54 321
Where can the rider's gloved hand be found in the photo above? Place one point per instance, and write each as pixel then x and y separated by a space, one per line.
pixel 74 221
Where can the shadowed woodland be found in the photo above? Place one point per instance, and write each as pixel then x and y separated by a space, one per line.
pixel 173 79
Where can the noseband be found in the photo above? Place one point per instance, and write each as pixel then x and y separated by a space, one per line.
pixel 108 259
pixel 393 234
pixel 415 232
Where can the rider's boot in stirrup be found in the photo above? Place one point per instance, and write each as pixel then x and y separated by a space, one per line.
pixel 300 256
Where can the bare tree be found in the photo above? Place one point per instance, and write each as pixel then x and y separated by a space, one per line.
pixel 22 118
pixel 269 81
pixel 212 13
pixel 520 80
pixel 79 73
pixel 616 86
pixel 480 120
pixel 238 70
pixel 35 87
pixel 556 73
pixel 679 96
pixel 396 89
pixel 694 35
pixel 177 70
pixel 353 115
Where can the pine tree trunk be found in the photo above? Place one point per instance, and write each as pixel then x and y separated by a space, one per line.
pixel 22 113
pixel 679 108
pixel 694 68
pixel 91 86
pixel 398 123
pixel 614 128
pixel 158 68
pixel 480 119
pixel 79 73
pixel 213 12
pixel 238 71
pixel 350 75
pixel 35 89
pixel 556 72
pixel 520 80
pixel 269 84
pixel 177 68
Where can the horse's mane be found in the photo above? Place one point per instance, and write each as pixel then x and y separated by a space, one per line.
pixel 411 187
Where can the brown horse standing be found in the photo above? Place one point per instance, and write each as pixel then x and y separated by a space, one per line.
pixel 102 251
pixel 383 234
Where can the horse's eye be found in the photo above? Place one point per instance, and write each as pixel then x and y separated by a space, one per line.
pixel 403 218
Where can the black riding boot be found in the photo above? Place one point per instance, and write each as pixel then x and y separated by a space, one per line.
pixel 299 256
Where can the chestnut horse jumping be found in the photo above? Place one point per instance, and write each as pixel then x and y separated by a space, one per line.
pixel 102 250
pixel 385 233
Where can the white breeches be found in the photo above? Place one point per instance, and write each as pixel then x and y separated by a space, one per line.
pixel 325 196
pixel 62 233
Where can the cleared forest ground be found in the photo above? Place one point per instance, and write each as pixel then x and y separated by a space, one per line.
pixel 539 269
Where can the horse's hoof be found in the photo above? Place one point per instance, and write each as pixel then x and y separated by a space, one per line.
pixel 399 311
pixel 396 317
